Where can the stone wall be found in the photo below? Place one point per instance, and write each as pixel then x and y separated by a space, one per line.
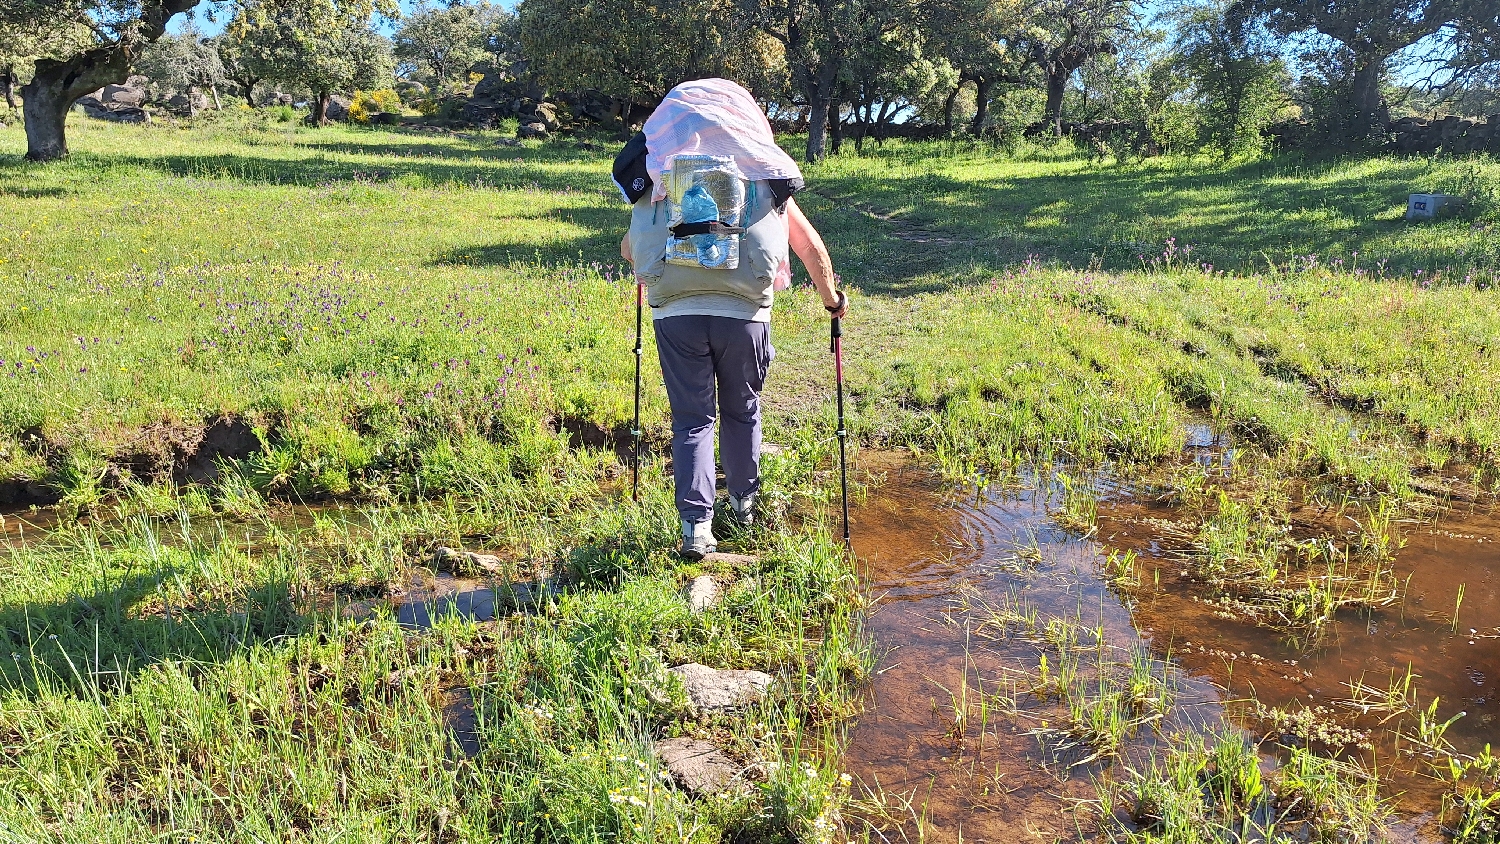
pixel 1449 134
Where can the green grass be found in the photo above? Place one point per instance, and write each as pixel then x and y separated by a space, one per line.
pixel 430 335
pixel 1057 205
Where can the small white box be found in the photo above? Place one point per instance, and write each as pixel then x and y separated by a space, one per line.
pixel 1425 206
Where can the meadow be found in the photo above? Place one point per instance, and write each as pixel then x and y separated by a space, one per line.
pixel 253 374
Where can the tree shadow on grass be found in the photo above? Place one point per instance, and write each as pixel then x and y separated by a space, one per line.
pixel 33 192
pixel 550 236
pixel 321 170
pixel 477 149
pixel 105 637
pixel 938 231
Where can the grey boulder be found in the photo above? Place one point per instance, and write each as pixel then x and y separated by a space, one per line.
pixel 697 766
pixel 118 113
pixel 711 691
pixel 338 107
pixel 125 95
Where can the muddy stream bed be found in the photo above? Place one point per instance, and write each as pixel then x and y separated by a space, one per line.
pixel 937 561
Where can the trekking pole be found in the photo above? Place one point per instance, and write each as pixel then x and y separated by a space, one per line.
pixel 635 432
pixel 836 347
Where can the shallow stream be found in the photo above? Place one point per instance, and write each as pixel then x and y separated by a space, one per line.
pixel 937 560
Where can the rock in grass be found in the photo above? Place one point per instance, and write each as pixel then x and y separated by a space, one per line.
pixel 697 766
pixel 484 562
pixel 702 593
pixel 450 560
pixel 711 691
pixel 730 559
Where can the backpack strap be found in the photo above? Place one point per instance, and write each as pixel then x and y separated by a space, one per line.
pixel 682 230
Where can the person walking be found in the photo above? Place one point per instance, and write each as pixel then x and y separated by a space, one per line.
pixel 711 250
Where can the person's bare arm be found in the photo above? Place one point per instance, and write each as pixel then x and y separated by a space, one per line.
pixel 625 248
pixel 808 244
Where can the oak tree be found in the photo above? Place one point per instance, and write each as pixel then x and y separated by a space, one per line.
pixel 1369 33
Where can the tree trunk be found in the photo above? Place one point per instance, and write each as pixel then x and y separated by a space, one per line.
pixel 881 122
pixel 248 84
pixel 319 115
pixel 836 128
pixel 46 109
pixel 8 87
pixel 817 126
pixel 981 105
pixel 1057 85
pixel 948 106
pixel 1367 107
pixel 818 86
pixel 192 111
pixel 214 89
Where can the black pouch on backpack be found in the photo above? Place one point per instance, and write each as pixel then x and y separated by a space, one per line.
pixel 782 190
pixel 630 169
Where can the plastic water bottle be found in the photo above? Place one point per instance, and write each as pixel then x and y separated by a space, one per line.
pixel 699 207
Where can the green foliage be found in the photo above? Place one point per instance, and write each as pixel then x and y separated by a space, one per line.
pixel 441 43
pixel 27 34
pixel 319 47
pixel 179 63
pixel 367 103
pixel 1216 792
pixel 637 50
pixel 1239 83
pixel 1478 187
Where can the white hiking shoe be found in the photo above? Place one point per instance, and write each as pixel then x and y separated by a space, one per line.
pixel 698 539
pixel 742 510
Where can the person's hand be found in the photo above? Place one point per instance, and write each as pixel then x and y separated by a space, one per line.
pixel 839 308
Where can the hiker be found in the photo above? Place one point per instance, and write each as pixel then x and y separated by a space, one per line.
pixel 712 221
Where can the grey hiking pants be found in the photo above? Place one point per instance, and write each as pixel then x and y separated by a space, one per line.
pixel 697 354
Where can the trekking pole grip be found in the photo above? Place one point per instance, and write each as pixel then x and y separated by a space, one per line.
pixel 836 325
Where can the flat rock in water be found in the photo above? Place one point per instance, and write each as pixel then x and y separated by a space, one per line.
pixel 702 593
pixel 448 559
pixel 713 691
pixel 484 562
pixel 697 766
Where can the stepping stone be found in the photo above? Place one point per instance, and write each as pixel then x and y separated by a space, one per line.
pixel 697 766
pixel 712 691
pixel 449 559
pixel 702 593
pixel 730 559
